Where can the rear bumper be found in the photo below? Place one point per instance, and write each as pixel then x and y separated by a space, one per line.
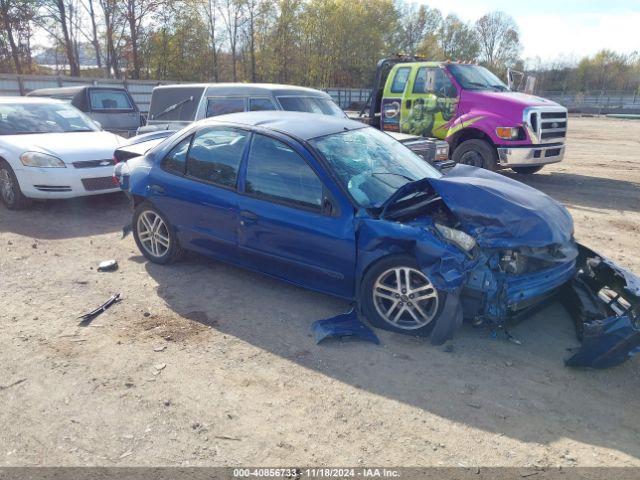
pixel 70 182
pixel 530 156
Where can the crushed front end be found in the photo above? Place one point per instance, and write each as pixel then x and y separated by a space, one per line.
pixel 510 283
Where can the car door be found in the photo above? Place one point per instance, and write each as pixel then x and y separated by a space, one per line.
pixel 290 224
pixel 196 189
pixel 431 100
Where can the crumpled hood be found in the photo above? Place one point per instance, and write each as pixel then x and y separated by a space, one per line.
pixel 500 212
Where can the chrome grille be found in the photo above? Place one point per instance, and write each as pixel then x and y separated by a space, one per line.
pixel 546 124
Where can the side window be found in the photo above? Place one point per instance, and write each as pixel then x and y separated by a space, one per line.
pixel 177 158
pixel 221 106
pixel 420 83
pixel 275 171
pixel 443 84
pixel 215 155
pixel 259 104
pixel 400 80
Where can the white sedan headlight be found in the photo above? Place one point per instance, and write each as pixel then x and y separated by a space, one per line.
pixel 44 160
pixel 458 237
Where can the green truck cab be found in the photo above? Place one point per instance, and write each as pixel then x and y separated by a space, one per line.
pixel 484 123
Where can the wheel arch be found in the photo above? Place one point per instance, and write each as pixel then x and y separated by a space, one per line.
pixel 469 133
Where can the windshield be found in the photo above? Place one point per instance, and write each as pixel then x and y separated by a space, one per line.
pixel 324 106
pixel 26 118
pixel 474 77
pixel 371 164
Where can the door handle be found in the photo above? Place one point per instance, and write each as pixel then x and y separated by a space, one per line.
pixel 157 189
pixel 247 215
pixel 408 103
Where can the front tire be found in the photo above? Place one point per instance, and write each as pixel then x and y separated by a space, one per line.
pixel 396 295
pixel 477 153
pixel 527 170
pixel 10 191
pixel 154 235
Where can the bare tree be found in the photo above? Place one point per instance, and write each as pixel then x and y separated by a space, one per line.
pixel 110 15
pixel 211 10
pixel 499 40
pixel 232 12
pixel 95 42
pixel 58 20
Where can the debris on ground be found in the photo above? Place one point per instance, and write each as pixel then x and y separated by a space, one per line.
pixel 108 266
pixel 87 317
pixel 345 325
pixel 13 384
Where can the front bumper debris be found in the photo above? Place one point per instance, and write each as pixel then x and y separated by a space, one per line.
pixel 604 301
pixel 530 156
pixel 345 325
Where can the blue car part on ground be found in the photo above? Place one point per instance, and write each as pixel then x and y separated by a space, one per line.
pixel 345 325
pixel 604 301
pixel 525 252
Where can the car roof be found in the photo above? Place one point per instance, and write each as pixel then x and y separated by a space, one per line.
pixel 246 88
pixel 16 99
pixel 300 125
pixel 74 90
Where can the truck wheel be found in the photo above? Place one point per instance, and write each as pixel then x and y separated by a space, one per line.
pixel 527 170
pixel 477 153
pixel 10 191
pixel 396 295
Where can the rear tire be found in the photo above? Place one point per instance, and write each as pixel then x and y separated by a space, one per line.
pixel 391 302
pixel 10 191
pixel 527 170
pixel 154 235
pixel 477 153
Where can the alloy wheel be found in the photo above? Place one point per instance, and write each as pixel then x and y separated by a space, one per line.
pixel 153 233
pixel 7 189
pixel 405 298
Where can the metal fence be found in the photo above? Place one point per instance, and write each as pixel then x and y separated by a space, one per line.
pixel 15 85
pixel 600 101
pixel 348 98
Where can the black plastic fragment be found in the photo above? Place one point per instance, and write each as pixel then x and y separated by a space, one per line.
pixel 87 317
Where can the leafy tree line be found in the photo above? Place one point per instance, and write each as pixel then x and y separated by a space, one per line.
pixel 319 43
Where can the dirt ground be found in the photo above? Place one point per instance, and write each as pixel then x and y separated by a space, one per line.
pixel 206 364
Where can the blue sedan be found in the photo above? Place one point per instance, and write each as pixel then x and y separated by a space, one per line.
pixel 335 206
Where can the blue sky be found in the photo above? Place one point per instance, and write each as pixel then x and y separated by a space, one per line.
pixel 560 29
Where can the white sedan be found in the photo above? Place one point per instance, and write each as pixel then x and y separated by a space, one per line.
pixel 49 149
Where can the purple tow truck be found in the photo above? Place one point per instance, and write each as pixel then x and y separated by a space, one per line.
pixel 485 124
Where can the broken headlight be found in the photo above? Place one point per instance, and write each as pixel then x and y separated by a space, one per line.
pixel 513 262
pixel 459 238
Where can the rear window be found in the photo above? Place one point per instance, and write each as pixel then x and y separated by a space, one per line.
pixel 109 100
pixel 324 106
pixel 175 104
